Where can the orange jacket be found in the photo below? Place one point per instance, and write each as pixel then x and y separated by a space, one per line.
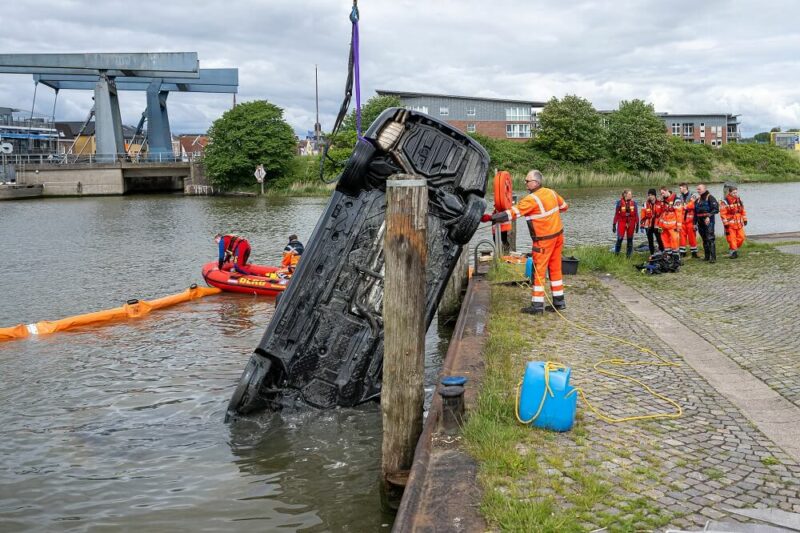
pixel 671 217
pixel 650 213
pixel 732 213
pixel 688 207
pixel 542 210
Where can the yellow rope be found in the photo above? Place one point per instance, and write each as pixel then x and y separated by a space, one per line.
pixel 662 362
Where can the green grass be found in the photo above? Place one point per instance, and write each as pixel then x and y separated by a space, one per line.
pixel 769 461
pixel 536 480
pixel 713 474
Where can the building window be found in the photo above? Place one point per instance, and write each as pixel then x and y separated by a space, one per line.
pixel 702 129
pixel 471 128
pixel 702 141
pixel 471 112
pixel 688 129
pixel 444 111
pixel 676 129
pixel 518 131
pixel 420 108
pixel 518 113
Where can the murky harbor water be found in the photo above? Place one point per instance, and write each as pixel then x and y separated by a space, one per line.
pixel 121 426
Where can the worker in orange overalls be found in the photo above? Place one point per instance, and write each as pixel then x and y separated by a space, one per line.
pixel 688 230
pixel 626 222
pixel 734 219
pixel 542 210
pixel 651 210
pixel 291 253
pixel 670 221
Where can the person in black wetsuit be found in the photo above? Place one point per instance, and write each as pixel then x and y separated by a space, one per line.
pixel 705 209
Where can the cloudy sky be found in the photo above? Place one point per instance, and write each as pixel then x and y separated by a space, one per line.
pixel 721 56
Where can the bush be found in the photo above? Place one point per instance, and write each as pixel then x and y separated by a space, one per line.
pixel 571 130
pixel 637 137
pixel 761 159
pixel 697 159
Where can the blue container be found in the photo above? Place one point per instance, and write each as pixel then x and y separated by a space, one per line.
pixel 529 268
pixel 558 411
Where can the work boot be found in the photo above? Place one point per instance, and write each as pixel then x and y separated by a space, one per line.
pixel 558 303
pixel 713 258
pixel 733 255
pixel 706 251
pixel 629 248
pixel 683 254
pixel 694 254
pixel 536 308
pixel 617 246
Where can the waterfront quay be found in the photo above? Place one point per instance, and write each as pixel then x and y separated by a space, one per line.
pixel 730 331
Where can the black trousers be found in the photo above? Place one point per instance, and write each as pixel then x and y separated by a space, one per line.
pixel 654 235
pixel 709 240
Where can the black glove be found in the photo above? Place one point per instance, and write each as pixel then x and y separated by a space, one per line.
pixel 745 222
pixel 614 228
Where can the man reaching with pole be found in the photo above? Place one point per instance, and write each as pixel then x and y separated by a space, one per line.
pixel 542 210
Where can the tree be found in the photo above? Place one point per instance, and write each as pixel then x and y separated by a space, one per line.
pixel 345 139
pixel 637 136
pixel 571 130
pixel 370 111
pixel 776 128
pixel 762 137
pixel 250 134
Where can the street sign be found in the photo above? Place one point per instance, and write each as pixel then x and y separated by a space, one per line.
pixel 260 174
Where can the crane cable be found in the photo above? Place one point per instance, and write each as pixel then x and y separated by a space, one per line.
pixel 353 79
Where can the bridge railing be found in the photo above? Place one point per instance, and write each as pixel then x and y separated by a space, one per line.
pixel 99 159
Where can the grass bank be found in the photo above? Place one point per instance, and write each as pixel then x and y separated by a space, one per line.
pixel 687 162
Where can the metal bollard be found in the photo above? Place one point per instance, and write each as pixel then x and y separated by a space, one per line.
pixel 452 393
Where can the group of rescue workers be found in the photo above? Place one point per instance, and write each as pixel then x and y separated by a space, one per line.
pixel 236 250
pixel 670 222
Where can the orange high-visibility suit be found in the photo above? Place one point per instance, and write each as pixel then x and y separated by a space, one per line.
pixel 734 218
pixel 542 211
pixel 688 231
pixel 670 222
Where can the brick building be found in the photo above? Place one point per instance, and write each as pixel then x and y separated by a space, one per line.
pixel 494 117
pixel 517 119
pixel 711 129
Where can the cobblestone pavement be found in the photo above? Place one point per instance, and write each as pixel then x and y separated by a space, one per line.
pixel 645 475
pixel 748 308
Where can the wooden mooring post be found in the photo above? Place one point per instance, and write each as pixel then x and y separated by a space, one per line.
pixel 404 299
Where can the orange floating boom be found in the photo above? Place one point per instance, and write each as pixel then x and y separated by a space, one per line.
pixel 131 309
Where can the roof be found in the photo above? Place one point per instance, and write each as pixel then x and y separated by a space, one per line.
pixel 69 129
pixel 401 94
pixel 193 143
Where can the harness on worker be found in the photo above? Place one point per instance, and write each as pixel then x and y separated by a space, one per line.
pixel 353 80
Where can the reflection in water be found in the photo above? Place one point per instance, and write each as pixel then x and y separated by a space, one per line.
pixel 313 456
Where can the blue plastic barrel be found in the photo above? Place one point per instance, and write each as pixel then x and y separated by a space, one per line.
pixel 529 268
pixel 558 411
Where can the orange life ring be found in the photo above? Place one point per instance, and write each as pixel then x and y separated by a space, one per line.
pixel 503 195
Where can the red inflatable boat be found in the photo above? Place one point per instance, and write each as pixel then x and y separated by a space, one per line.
pixel 262 280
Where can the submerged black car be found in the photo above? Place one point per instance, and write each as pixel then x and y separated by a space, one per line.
pixel 324 345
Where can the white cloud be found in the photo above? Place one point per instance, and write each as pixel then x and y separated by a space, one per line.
pixel 683 55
